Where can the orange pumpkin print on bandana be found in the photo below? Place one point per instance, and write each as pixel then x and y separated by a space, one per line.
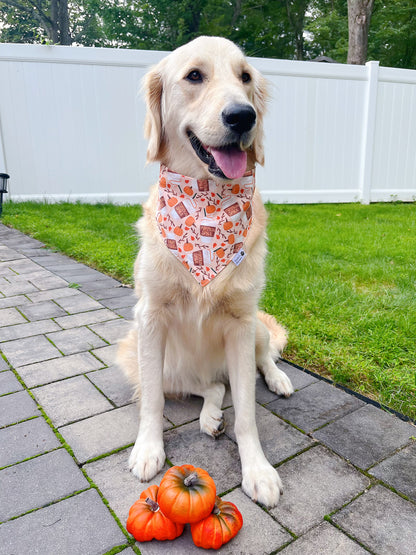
pixel 202 222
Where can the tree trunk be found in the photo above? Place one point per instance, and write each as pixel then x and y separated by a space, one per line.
pixel 54 22
pixel 359 16
pixel 64 35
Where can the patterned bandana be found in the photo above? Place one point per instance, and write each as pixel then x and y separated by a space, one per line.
pixel 204 223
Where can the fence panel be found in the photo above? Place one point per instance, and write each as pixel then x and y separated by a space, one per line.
pixel 71 123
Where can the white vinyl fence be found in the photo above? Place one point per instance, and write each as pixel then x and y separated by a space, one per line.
pixel 71 123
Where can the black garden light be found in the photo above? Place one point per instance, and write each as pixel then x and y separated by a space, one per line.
pixel 3 188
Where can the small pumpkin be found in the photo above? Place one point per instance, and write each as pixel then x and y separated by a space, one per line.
pixel 219 527
pixel 186 494
pixel 147 522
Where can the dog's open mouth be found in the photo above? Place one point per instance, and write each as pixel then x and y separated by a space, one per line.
pixel 226 162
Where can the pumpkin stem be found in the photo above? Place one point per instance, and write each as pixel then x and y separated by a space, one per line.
pixel 152 504
pixel 216 510
pixel 191 479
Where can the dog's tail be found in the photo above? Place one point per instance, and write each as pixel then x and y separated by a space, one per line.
pixel 278 334
pixel 127 360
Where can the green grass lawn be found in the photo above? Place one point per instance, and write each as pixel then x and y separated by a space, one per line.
pixel 340 277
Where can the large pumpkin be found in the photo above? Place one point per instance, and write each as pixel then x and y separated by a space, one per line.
pixel 147 522
pixel 219 527
pixel 186 494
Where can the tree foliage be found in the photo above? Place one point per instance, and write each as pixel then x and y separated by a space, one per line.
pixel 291 29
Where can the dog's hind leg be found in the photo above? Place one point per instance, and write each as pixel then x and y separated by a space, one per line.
pixel 270 341
pixel 211 419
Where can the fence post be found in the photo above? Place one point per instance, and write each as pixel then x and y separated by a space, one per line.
pixel 369 124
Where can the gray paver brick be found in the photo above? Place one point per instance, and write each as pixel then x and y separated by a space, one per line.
pixel 10 316
pixel 6 272
pixel 314 484
pixel 59 368
pixel 112 331
pixel 39 273
pixel 325 539
pixel 102 433
pixel 75 340
pixel 16 300
pixel 9 254
pixel 399 471
pixel 27 330
pixel 29 350
pixel 9 383
pixel 382 521
pixel 80 276
pixel 112 382
pixel 298 378
pixel 86 318
pixel 16 288
pixel 118 485
pixel 54 294
pixel 366 436
pixel 219 457
pixel 25 440
pixel 24 266
pixel 106 292
pixel 69 400
pixel 119 302
pixel 180 411
pixel 126 312
pixel 315 405
pixel 78 303
pixel 106 354
pixel 41 310
pixel 259 534
pixel 51 282
pixel 16 407
pixel 57 476
pixel 3 364
pixel 79 525
pixel 278 439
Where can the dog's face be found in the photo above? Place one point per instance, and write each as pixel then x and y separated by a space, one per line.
pixel 205 110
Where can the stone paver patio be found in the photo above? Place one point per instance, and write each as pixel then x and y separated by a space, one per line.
pixel 67 425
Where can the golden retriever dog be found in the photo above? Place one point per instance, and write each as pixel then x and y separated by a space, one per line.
pixel 200 270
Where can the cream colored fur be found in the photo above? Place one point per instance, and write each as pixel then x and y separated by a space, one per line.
pixel 188 339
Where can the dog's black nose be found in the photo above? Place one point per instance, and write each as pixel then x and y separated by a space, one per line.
pixel 240 118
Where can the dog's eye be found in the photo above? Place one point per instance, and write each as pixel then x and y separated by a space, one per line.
pixel 245 77
pixel 195 76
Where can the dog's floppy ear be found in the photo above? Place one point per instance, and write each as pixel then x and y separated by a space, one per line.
pixel 260 98
pixel 153 126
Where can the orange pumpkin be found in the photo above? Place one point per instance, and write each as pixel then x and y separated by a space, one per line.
pixel 186 494
pixel 219 527
pixel 147 522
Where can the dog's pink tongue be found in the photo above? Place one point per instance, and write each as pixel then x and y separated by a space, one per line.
pixel 231 161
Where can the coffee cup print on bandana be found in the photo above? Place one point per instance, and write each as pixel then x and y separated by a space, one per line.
pixel 232 208
pixel 207 231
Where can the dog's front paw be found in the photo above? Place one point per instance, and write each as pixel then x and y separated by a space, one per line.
pixel 211 421
pixel 262 483
pixel 278 382
pixel 146 460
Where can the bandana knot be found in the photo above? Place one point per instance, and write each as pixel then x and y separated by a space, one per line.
pixel 205 223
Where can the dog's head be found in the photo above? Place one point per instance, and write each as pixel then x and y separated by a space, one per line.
pixel 205 107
